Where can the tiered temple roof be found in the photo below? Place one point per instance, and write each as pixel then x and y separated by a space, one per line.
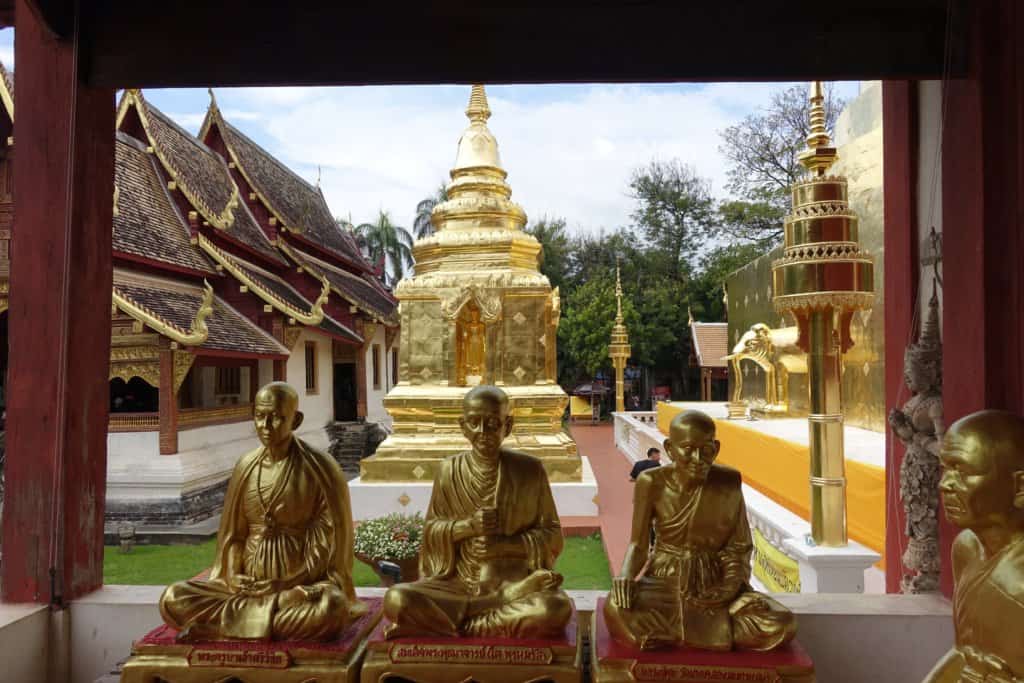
pixel 710 344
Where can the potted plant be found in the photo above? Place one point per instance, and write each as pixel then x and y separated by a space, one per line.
pixel 394 538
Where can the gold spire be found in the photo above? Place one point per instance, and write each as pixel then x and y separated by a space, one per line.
pixel 478 110
pixel 820 154
pixel 213 101
pixel 618 296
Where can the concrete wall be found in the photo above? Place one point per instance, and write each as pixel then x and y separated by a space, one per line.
pixel 318 407
pixel 375 396
pixel 24 639
pixel 852 638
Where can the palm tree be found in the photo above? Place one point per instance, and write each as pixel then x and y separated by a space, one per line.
pixel 393 243
pixel 422 226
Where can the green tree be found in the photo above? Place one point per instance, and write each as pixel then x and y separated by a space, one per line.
pixel 674 210
pixel 384 239
pixel 422 227
pixel 763 154
pixel 555 247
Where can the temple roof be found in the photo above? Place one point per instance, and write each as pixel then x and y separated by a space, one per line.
pixel 202 175
pixel 710 344
pixel 358 290
pixel 278 293
pixel 177 303
pixel 7 90
pixel 147 223
pixel 297 204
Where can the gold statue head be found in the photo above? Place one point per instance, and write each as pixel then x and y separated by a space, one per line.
pixel 982 483
pixel 691 443
pixel 486 420
pixel 276 414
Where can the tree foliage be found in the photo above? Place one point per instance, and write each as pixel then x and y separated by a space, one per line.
pixel 384 239
pixel 555 248
pixel 422 227
pixel 763 154
pixel 674 210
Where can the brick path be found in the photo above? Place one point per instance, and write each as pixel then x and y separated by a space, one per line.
pixel 615 490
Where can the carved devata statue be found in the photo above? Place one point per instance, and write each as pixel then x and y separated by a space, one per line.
pixel 919 426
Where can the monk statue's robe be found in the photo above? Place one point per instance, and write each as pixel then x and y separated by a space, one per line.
pixel 287 523
pixel 461 594
pixel 702 543
pixel 988 614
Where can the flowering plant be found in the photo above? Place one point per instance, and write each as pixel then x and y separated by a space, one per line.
pixel 393 537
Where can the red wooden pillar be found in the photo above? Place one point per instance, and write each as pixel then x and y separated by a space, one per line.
pixel 59 323
pixel 168 404
pixel 982 205
pixel 901 268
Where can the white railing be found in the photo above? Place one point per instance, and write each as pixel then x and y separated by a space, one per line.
pixel 822 570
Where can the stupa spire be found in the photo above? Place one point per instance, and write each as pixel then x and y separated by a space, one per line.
pixel 618 295
pixel 820 154
pixel 478 111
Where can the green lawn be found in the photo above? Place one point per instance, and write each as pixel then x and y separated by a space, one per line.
pixel 583 564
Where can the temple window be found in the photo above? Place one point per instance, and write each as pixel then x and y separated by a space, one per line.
pixel 376 366
pixel 394 367
pixel 311 374
pixel 133 396
pixel 229 381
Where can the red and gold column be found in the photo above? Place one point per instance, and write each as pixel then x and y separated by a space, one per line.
pixel 822 278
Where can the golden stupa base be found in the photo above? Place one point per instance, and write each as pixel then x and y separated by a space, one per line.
pixel 737 410
pixel 159 657
pixel 426 430
pixel 769 410
pixel 613 662
pixel 486 660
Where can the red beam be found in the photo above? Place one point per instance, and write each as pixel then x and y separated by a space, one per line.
pixel 899 172
pixel 240 355
pixel 59 323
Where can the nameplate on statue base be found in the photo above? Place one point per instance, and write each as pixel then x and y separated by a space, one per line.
pixel 485 660
pixel 613 662
pixel 159 656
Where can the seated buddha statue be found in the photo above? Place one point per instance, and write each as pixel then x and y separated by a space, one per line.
pixel 490 539
pixel 982 490
pixel 284 548
pixel 695 591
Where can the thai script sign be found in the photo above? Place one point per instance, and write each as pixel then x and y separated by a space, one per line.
pixel 469 654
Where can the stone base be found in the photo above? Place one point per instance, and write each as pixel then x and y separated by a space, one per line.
pixel 484 660
pixel 612 662
pixel 159 657
pixel 371 499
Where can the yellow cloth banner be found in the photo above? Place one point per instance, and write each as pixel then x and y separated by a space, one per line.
pixel 779 572
pixel 779 469
pixel 579 406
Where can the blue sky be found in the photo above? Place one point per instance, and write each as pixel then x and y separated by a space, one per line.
pixel 569 149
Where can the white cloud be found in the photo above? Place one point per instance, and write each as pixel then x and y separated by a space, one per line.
pixel 569 150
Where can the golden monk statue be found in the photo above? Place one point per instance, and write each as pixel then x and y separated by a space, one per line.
pixel 490 539
pixel 696 589
pixel 472 354
pixel 982 489
pixel 284 548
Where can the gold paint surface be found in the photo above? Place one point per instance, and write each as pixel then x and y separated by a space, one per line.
pixel 477 311
pixel 692 587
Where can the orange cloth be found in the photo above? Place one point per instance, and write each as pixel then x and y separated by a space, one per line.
pixel 779 469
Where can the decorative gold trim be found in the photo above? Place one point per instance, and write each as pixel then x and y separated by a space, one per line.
pixel 147 371
pixel 223 220
pixel 313 317
pixel 291 335
pixel 182 364
pixel 193 337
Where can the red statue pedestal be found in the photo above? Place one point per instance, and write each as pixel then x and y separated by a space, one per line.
pixel 484 660
pixel 159 657
pixel 613 662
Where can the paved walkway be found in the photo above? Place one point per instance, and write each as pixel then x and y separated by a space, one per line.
pixel 615 490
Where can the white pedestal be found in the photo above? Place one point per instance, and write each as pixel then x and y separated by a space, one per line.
pixel 376 499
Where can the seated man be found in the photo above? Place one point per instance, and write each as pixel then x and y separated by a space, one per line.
pixel 284 548
pixel 696 591
pixel 653 460
pixel 982 490
pixel 490 540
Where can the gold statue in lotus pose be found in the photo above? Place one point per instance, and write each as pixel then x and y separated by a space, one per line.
pixel 982 489
pixel 284 548
pixel 696 589
pixel 490 540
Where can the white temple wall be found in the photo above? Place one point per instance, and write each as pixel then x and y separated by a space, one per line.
pixel 929 185
pixel 266 372
pixel 318 406
pixel 375 393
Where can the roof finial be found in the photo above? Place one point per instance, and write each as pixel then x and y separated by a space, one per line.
pixel 820 154
pixel 618 293
pixel 478 110
pixel 319 173
pixel 213 100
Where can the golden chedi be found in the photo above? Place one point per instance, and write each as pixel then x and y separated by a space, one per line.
pixel 695 591
pixel 490 540
pixel 284 549
pixel 982 489
pixel 477 311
